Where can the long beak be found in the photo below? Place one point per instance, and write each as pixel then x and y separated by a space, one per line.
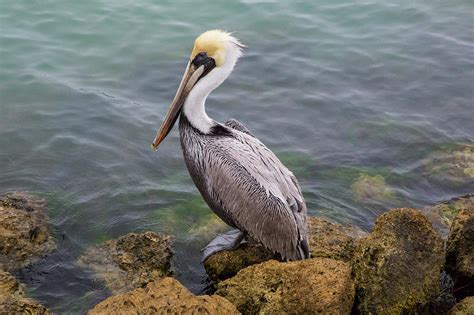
pixel 190 77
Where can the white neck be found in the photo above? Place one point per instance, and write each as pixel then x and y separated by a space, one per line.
pixel 194 107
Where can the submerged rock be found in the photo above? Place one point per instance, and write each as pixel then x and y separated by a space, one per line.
pixel 453 163
pixel 12 299
pixel 443 214
pixel 164 296
pixel 460 252
pixel 464 307
pixel 24 233
pixel 326 240
pixel 312 286
pixel 397 266
pixel 130 261
pixel 371 188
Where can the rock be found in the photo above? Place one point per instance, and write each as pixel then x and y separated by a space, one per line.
pixel 12 300
pixel 312 286
pixel 164 296
pixel 226 264
pixel 130 261
pixel 326 239
pixel 24 233
pixel 464 307
pixel 443 214
pixel 371 188
pixel 451 163
pixel 460 252
pixel 397 266
pixel 329 240
pixel 445 300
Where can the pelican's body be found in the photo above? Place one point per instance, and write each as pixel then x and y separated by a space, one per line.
pixel 241 180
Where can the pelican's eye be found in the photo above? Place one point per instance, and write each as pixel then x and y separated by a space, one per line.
pixel 202 59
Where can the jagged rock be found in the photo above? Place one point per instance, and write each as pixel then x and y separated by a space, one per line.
pixel 326 239
pixel 12 299
pixel 24 233
pixel 443 214
pixel 460 252
pixel 464 307
pixel 312 286
pixel 130 261
pixel 397 266
pixel 164 296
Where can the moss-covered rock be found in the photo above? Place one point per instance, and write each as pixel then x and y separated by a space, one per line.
pixel 12 299
pixel 164 296
pixel 397 266
pixel 130 261
pixel 226 264
pixel 443 214
pixel 312 286
pixel 330 240
pixel 464 307
pixel 326 240
pixel 24 233
pixel 460 252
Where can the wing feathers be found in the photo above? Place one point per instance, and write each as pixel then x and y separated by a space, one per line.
pixel 260 193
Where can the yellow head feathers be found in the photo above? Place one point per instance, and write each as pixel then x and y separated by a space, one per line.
pixel 214 43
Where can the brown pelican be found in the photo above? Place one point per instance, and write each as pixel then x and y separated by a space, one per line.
pixel 241 180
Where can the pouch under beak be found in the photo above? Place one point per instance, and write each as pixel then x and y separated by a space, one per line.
pixel 190 77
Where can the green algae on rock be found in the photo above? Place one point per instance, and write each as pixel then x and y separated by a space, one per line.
pixel 311 286
pixel 460 252
pixel 164 296
pixel 191 219
pixel 463 307
pixel 371 188
pixel 208 228
pixel 453 163
pixel 12 299
pixel 24 232
pixel 130 261
pixel 397 266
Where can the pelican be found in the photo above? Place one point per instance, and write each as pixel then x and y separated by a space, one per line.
pixel 240 179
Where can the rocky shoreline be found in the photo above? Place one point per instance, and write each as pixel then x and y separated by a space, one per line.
pixel 404 266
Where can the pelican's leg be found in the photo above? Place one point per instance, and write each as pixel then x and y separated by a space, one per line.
pixel 227 241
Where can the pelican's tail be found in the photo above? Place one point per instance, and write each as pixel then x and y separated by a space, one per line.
pixel 303 249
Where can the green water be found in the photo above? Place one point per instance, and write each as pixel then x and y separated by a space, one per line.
pixel 370 103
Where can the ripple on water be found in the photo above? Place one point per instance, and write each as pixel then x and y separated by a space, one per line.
pixel 355 97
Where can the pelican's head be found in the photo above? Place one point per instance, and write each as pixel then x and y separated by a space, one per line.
pixel 212 60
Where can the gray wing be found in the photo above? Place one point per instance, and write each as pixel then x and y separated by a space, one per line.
pixel 259 193
pixel 235 124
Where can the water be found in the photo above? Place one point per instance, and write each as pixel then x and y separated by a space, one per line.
pixel 370 103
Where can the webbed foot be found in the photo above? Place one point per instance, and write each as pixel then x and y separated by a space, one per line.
pixel 228 241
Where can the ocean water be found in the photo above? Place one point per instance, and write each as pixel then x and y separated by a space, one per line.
pixel 369 103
